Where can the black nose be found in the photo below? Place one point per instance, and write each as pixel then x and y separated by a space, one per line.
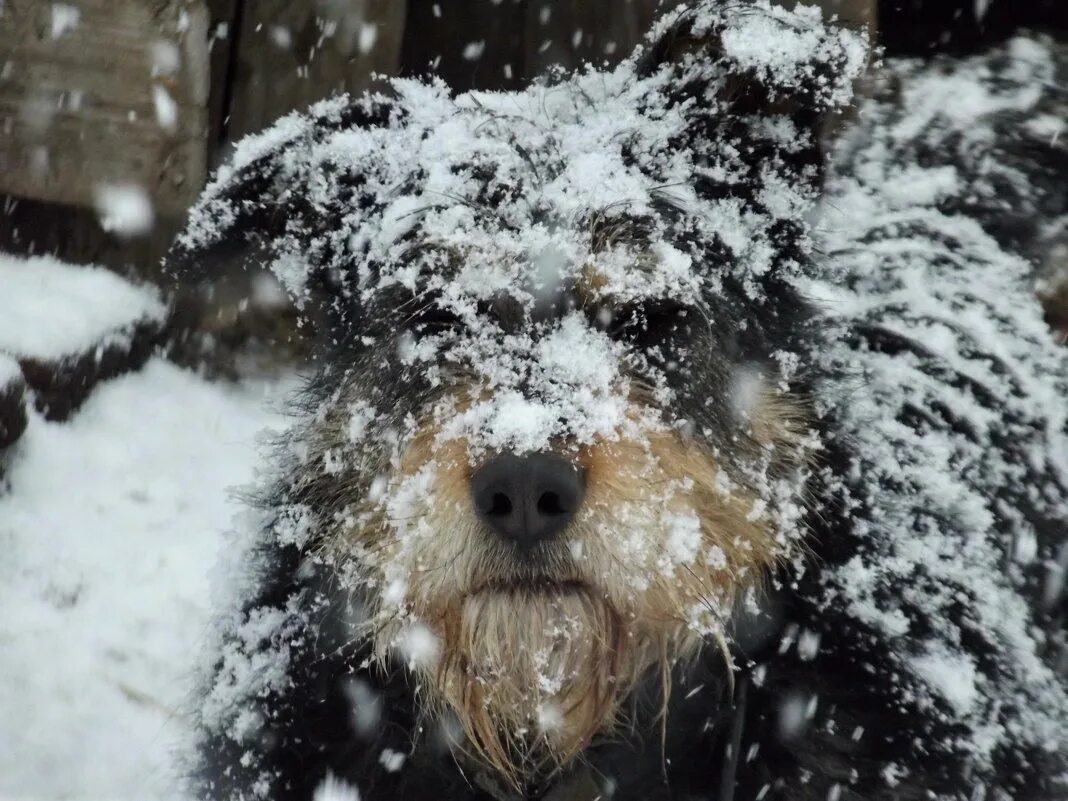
pixel 528 499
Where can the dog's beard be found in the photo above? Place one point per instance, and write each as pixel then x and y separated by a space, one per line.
pixel 535 656
pixel 533 674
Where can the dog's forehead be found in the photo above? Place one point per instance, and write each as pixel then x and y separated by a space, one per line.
pixel 646 180
pixel 523 193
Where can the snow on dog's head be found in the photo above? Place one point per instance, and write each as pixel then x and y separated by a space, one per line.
pixel 559 432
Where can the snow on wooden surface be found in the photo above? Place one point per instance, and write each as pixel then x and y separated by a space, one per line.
pixel 50 310
pixel 109 529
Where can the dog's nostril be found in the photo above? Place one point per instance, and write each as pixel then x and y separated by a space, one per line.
pixel 500 505
pixel 549 504
pixel 527 499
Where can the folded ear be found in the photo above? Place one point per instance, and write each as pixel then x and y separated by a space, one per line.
pixel 731 57
pixel 275 204
pixel 337 198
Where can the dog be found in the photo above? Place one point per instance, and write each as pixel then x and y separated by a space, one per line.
pixel 617 479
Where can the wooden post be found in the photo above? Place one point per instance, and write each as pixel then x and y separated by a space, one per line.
pixel 94 95
pixel 290 54
pixel 570 33
pixel 103 93
pixel 471 44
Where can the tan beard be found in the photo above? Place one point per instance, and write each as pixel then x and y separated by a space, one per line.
pixel 534 658
pixel 534 674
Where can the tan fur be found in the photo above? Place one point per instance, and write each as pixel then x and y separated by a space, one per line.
pixel 535 658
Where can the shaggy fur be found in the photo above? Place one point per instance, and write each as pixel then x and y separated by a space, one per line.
pixel 688 637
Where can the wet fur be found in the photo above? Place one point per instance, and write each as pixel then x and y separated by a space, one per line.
pixel 655 712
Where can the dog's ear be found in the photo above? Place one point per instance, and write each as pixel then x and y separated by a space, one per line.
pixel 741 59
pixel 325 198
pixel 262 208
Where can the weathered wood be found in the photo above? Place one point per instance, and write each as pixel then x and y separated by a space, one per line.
pixel 471 44
pixel 223 19
pixel 291 54
pixel 504 44
pixel 571 33
pixel 106 92
pixel 73 234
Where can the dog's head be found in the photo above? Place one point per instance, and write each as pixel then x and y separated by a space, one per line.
pixel 560 430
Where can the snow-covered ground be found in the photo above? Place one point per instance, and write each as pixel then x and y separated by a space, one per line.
pixel 85 306
pixel 108 532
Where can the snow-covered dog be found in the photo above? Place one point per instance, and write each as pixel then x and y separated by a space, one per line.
pixel 607 487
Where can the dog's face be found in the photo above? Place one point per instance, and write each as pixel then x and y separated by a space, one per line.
pixel 561 431
pixel 560 498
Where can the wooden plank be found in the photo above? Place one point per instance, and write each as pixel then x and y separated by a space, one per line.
pixel 290 54
pixel 223 17
pixel 103 92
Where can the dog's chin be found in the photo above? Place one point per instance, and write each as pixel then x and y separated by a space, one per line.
pixel 524 588
pixel 533 669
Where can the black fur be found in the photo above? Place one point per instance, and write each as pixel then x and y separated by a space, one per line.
pixel 865 730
